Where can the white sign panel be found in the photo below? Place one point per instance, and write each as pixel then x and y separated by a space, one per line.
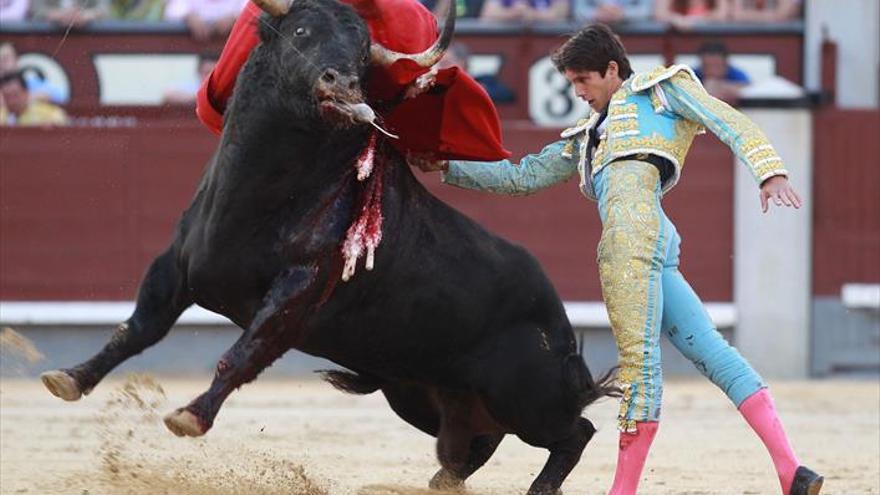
pixel 126 79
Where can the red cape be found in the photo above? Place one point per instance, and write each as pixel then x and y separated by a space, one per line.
pixel 456 120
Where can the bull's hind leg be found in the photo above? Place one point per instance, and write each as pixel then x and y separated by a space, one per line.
pixel 460 449
pixel 477 452
pixel 536 388
pixel 564 456
pixel 161 299
pixel 270 334
pixel 460 452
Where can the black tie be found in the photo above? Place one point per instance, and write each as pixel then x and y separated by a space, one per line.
pixel 594 137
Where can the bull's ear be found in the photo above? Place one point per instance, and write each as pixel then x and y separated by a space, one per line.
pixel 275 8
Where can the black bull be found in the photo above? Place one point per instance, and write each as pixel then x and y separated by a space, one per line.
pixel 459 329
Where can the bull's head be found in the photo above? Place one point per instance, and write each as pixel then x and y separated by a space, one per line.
pixel 319 53
pixel 329 46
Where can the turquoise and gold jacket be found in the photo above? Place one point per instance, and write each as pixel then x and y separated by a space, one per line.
pixel 657 112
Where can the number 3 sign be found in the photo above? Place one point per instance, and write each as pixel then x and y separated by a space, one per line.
pixel 552 102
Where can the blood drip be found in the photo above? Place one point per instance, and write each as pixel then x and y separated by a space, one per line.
pixel 365 232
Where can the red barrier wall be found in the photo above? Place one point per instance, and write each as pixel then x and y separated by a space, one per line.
pixel 846 195
pixel 84 210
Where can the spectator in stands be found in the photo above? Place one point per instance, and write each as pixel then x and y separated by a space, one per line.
pixel 137 10
pixel 13 10
pixel 685 14
pixel 463 8
pixel 527 11
pixel 612 11
pixel 8 58
pixel 37 86
pixel 18 108
pixel 205 18
pixel 185 93
pixel 457 56
pixel 766 10
pixel 75 13
pixel 721 80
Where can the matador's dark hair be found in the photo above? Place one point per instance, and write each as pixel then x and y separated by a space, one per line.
pixel 592 48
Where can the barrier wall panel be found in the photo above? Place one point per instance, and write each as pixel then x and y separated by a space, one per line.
pixel 846 235
pixel 84 211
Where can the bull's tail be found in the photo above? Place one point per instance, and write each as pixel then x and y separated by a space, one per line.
pixel 581 384
pixel 353 383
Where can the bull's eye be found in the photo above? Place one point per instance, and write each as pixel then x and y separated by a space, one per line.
pixel 301 31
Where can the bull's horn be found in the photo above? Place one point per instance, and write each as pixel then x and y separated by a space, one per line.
pixel 275 8
pixel 383 56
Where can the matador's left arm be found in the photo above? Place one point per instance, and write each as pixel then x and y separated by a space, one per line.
pixel 686 97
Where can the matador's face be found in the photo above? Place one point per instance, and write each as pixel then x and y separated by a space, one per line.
pixel 594 87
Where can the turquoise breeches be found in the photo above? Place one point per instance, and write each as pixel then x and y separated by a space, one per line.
pixel 646 295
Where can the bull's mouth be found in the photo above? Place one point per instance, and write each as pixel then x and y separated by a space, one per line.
pixel 338 109
pixel 335 111
pixel 347 111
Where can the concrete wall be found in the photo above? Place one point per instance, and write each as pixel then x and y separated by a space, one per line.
pixel 844 339
pixel 195 349
pixel 189 349
pixel 772 254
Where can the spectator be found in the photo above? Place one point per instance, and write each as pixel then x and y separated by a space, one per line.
pixel 721 80
pixel 205 18
pixel 17 108
pixel 185 93
pixel 527 11
pixel 8 58
pixel 766 10
pixel 37 86
pixel 612 11
pixel 76 13
pixel 457 56
pixel 463 8
pixel 13 10
pixel 137 10
pixel 684 14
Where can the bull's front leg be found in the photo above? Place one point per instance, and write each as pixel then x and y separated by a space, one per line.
pixel 273 331
pixel 162 297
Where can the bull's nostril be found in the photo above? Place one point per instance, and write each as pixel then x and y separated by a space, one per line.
pixel 352 84
pixel 329 76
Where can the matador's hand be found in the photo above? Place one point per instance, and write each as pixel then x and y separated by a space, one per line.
pixel 426 162
pixel 781 191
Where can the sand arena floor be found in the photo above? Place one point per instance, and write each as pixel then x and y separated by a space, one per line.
pixel 303 437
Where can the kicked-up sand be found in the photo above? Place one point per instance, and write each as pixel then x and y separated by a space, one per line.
pixel 300 436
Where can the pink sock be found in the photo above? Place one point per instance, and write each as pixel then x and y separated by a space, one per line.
pixel 760 413
pixel 632 451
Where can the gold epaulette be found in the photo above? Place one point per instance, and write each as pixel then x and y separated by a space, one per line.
pixel 659 74
pixel 581 126
pixel 578 129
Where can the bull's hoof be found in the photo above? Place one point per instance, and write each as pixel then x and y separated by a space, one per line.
pixel 446 480
pixel 184 423
pixel 61 385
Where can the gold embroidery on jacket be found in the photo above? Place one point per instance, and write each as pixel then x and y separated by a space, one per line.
pixel 750 143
